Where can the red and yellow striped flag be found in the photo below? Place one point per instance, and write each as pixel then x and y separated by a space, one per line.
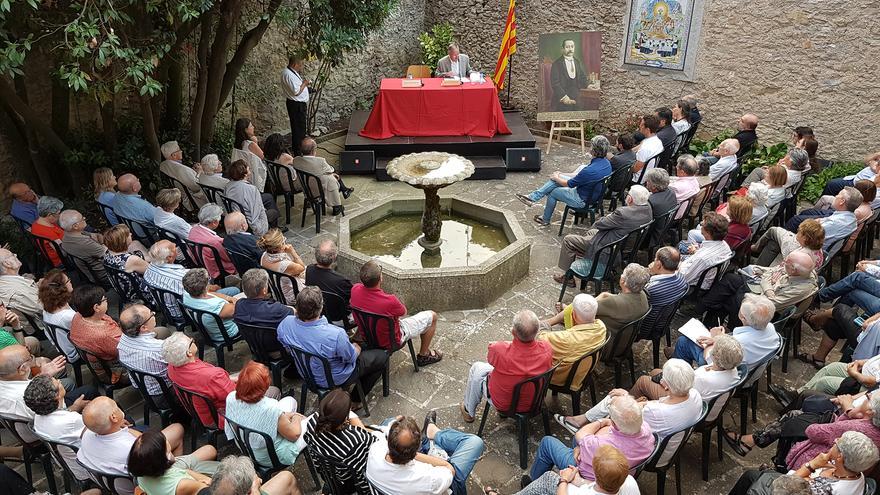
pixel 508 45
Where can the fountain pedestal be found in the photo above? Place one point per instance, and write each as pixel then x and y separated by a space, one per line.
pixel 431 222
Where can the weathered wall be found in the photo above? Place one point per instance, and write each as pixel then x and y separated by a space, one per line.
pixel 791 62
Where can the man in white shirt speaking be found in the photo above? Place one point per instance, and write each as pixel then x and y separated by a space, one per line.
pixel 296 89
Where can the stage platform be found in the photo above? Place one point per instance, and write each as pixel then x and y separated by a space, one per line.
pixel 487 153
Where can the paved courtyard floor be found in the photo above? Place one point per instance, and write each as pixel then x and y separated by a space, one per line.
pixel 464 335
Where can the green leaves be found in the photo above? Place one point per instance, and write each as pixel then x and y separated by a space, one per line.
pixel 435 43
pixel 815 183
pixel 763 156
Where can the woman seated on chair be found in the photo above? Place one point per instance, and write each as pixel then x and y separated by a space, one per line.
pixel 338 434
pixel 168 200
pixel 94 331
pixel 159 472
pixel 275 150
pixel 260 209
pixel 105 190
pixel 739 213
pixel 810 237
pixel 246 138
pixel 117 240
pixel 282 257
pixel 54 291
pixel 839 470
pixel 46 226
pixel 251 406
pixel 196 295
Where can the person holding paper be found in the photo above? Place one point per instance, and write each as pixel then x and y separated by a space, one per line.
pixel 454 64
pixel 757 336
pixel 860 288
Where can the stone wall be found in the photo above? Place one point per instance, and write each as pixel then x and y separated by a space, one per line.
pixel 791 62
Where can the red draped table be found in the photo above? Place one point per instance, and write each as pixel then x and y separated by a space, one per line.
pixel 434 110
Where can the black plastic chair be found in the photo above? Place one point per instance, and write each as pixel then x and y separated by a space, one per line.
pixel 214 194
pixel 143 233
pixel 665 456
pixel 827 268
pixel 714 419
pixel 33 451
pixel 792 329
pixel 233 205
pixel 180 242
pixel 120 279
pixel 303 361
pixel 656 324
pixel 696 289
pixel 104 380
pixel 55 450
pixel 275 285
pixel 166 410
pixel 51 333
pixel 166 300
pixel 42 246
pixel 574 390
pixel 539 383
pixel 195 316
pixel 704 196
pixel 331 471
pixel 620 349
pixel 650 163
pixel 601 265
pixel 337 309
pixel 616 187
pixel 112 484
pixel 188 400
pixel 664 160
pixel 188 205
pixel 197 250
pixel 748 389
pixel 253 334
pixel 368 324
pixel 106 211
pixel 316 201
pixel 243 435
pixel 84 270
pixel 242 261
pixel 598 204
pixel 275 172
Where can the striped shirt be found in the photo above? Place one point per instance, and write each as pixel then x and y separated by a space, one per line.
pixel 144 353
pixel 663 290
pixel 709 254
pixel 167 276
pixel 348 447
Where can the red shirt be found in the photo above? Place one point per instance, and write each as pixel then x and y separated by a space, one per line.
pixel 55 233
pixel 514 362
pixel 377 301
pixel 205 379
pixel 101 339
pixel 204 235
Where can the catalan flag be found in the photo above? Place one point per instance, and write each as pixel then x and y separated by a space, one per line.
pixel 508 45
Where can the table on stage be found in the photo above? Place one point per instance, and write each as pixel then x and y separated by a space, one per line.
pixel 435 110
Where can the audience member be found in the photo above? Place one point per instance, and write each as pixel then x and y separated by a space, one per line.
pixel 662 200
pixel 727 159
pixel 630 304
pixel 189 372
pixel 55 290
pixel 369 296
pixel 580 189
pixel 203 233
pixel 612 476
pixel 860 288
pixel 280 256
pixel 129 204
pixel 238 238
pixel 650 147
pixel 212 172
pixel 322 274
pixel 47 227
pixel 12 332
pixel 24 202
pixel 117 240
pixel 623 159
pixel 508 364
pixel 259 216
pixel 94 331
pixel 167 200
pixel 738 212
pixel 88 250
pixel 246 138
pixel 810 238
pixel 260 310
pixel 17 292
pixel 236 476
pixel 665 287
pixel 140 347
pixel 104 182
pixel 759 194
pixel 823 208
pixel 681 114
pixel 329 180
pixel 198 296
pixel 695 117
pixel 712 251
pixel 310 332
pixel 685 184
pixel 666 133
pixel 160 472
pixel 872 167
pixel 275 150
pixel 583 334
pixel 173 167
pixel 796 163
pixel 606 230
pixel 746 136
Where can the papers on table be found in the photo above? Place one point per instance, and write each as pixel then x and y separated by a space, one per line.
pixel 694 329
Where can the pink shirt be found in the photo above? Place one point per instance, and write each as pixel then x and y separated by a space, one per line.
pixel 636 448
pixel 821 437
pixel 204 235
pixel 684 187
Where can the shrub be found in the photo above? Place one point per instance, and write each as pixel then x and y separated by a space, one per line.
pixel 435 43
pixel 764 156
pixel 816 183
pixel 698 146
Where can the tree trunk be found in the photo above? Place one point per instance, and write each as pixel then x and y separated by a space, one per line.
pixel 223 33
pixel 173 92
pixel 195 119
pixel 150 133
pixel 250 40
pixel 108 126
pixel 60 107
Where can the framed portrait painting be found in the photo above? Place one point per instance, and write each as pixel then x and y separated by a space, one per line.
pixel 662 36
pixel 569 67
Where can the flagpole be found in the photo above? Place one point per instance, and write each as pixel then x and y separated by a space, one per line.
pixel 509 71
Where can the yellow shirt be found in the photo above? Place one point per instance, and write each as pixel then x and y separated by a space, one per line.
pixel 569 345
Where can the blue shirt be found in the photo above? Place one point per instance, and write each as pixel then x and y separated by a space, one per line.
pixel 106 199
pixel 212 305
pixel 134 207
pixel 24 211
pixel 323 339
pixel 839 224
pixel 589 180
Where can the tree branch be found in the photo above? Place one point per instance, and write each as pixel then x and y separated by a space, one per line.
pixel 248 42
pixel 33 119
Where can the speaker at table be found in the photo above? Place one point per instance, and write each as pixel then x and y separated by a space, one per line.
pixel 357 162
pixel 524 159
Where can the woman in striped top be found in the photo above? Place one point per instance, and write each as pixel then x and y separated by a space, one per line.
pixel 340 436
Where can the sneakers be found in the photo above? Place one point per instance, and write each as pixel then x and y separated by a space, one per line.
pixel 338 210
pixel 525 199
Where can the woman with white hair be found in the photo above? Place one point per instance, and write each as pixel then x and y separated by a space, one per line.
pixel 46 225
pixel 583 187
pixel 204 233
pixel 679 406
pixel 168 200
pixel 212 172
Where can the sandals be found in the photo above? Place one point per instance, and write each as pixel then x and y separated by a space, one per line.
pixel 490 491
pixel 559 306
pixel 736 443
pixel 540 220
pixel 570 427
pixel 434 357
pixel 811 359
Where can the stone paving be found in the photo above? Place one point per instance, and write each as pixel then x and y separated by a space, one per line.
pixel 464 335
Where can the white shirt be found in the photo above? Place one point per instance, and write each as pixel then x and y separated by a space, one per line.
pixel 12 405
pixel 413 478
pixel 712 383
pixel 66 427
pixel 106 453
pixel 649 148
pixel 629 487
pixel 864 174
pixel 681 126
pixel 62 318
pixel 455 67
pixel 872 368
pixel 724 165
pixel 171 222
pixel 664 418
pixel 291 81
pixel 570 67
pixel 756 344
pixel 710 253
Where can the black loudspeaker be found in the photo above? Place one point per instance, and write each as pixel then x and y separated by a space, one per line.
pixel 357 162
pixel 523 159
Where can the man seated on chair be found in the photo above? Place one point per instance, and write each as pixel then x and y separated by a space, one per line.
pixel 757 336
pixel 238 238
pixel 24 202
pixel 18 292
pixel 83 245
pixel 508 364
pixel 140 347
pixel 212 172
pixel 579 190
pixel 168 200
pixel 369 296
pixel 666 285
pixel 662 200
pixel 860 288
pixel 332 184
pixel 680 406
pixel 173 167
pixel 712 251
pixel 666 133
pixel 454 64
pixel 128 203
pixel 786 285
pixel 408 462
pixel 650 147
pixel 727 159
pixel 625 157
pixel 322 274
pixel 608 229
pixel 260 310
pixel 583 333
pixel 872 168
pixel 623 429
pixel 630 304
pixel 204 233
pixel 312 333
pixel 685 184
pixel 236 476
pixel 745 138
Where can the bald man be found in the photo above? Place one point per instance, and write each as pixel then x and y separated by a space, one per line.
pixel 108 438
pixel 24 202
pixel 239 240
pixel 87 248
pixel 785 285
pixel 17 292
pixel 334 189
pixel 322 272
pixel 128 203
pixel 746 136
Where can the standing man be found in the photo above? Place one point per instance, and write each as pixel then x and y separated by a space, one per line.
pixel 567 77
pixel 454 64
pixel 296 89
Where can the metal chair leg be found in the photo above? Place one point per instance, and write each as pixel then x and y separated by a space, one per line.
pixel 412 352
pixel 707 439
pixel 364 400
pixel 483 419
pixel 522 432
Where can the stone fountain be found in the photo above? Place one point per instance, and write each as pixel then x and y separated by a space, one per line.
pixel 430 171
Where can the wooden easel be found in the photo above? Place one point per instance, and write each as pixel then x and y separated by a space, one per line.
pixel 560 126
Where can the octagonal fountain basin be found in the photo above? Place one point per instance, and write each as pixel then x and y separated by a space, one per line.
pixel 483 254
